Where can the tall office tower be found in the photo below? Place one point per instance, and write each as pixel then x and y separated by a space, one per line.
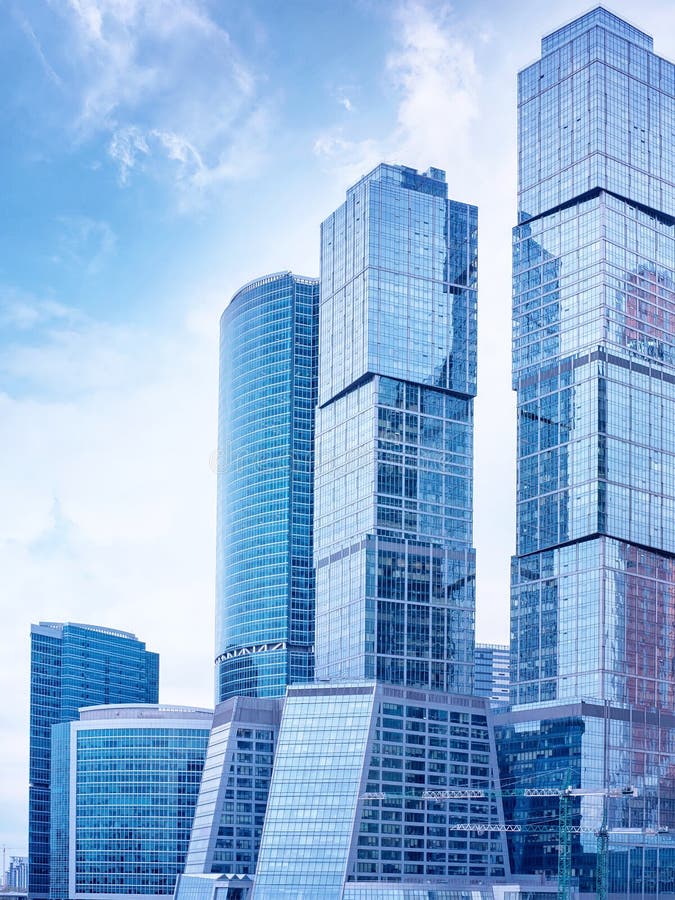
pixel 265 575
pixel 393 488
pixel 365 757
pixel 265 579
pixel 593 580
pixel 72 666
pixel 125 780
pixel 491 672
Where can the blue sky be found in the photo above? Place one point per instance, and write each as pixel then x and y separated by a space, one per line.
pixel 156 155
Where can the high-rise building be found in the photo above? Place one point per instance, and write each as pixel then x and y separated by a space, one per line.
pixel 491 672
pixel 125 780
pixel 395 566
pixel 363 757
pixel 593 579
pixel 265 577
pixel 265 574
pixel 72 666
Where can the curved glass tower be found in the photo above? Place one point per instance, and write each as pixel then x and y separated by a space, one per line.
pixel 125 781
pixel 265 581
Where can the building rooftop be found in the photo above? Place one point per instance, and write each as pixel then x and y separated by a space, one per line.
pixel 143 711
pixel 269 279
pixel 100 629
pixel 596 17
pixel 431 181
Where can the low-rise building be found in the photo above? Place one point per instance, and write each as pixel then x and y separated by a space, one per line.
pixel 125 780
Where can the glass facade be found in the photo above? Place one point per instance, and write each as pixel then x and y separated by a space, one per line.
pixel 491 672
pixel 349 804
pixel 125 784
pixel 497 891
pixel 365 892
pixel 74 665
pixel 314 793
pixel 265 578
pixel 395 566
pixel 232 800
pixel 595 113
pixel 593 581
pixel 592 745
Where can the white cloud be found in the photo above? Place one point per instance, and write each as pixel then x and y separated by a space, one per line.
pixel 134 148
pixel 22 312
pixel 167 86
pixel 178 148
pixel 125 146
pixel 435 72
pixel 350 159
pixel 47 67
pixel 343 93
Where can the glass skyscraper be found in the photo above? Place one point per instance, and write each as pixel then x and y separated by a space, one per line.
pixel 74 665
pixel 593 579
pixel 361 755
pixel 265 574
pixel 265 578
pixel 393 490
pixel 125 780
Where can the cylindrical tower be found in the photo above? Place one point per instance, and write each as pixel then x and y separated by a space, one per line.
pixel 265 580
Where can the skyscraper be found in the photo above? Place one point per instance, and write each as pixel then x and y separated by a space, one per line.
pixel 125 780
pixel 265 578
pixel 395 566
pixel 593 579
pixel 72 666
pixel 364 757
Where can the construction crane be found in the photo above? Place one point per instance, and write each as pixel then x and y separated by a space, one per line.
pixel 565 827
pixel 566 830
